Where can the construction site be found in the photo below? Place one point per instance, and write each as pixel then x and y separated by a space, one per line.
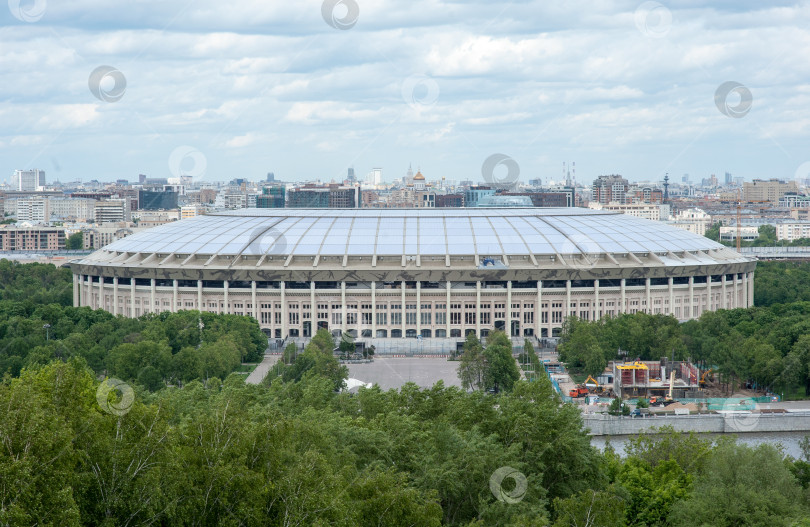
pixel 655 380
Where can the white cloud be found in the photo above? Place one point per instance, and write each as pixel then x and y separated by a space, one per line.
pixel 544 80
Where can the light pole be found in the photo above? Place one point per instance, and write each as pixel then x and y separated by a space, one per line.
pixel 47 328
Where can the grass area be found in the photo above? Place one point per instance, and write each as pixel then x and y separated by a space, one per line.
pixel 794 394
pixel 577 376
pixel 247 367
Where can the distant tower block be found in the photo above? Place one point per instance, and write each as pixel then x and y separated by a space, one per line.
pixel 570 174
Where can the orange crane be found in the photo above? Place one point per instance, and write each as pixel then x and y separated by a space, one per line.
pixel 703 377
pixel 739 216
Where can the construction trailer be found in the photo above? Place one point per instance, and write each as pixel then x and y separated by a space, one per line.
pixel 655 378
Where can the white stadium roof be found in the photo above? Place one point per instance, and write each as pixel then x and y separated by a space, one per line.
pixel 412 232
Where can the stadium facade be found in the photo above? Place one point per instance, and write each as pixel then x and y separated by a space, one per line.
pixel 415 272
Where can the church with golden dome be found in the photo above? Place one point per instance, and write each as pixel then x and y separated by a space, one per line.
pixel 416 193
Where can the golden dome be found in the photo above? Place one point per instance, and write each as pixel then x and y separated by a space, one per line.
pixel 419 176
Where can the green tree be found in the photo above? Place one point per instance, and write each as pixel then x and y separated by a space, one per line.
pixel 501 371
pixel 472 364
pixel 653 492
pixel 730 492
pixel 75 241
pixel 713 232
pixel 590 508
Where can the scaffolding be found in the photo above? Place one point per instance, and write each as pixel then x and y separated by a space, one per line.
pixel 651 378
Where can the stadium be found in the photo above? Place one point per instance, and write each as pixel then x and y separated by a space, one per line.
pixel 398 273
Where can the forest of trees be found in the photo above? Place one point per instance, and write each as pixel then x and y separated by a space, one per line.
pixel 301 453
pixel 768 347
pixel 38 325
pixel 196 446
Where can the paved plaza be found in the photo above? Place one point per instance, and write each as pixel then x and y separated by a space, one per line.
pixel 394 372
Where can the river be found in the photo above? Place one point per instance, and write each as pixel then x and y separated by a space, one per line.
pixel 788 440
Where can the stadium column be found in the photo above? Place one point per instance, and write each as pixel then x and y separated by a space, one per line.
pixel 373 308
pixel 671 309
pixel 447 310
pixel 343 306
pixel 567 310
pixel 152 296
pixel 596 300
pixel 418 308
pixel 199 296
pixel 623 297
pixel 77 295
pixel 132 297
pixel 691 298
pixel 708 295
pixel 175 295
pixel 226 285
pixel 538 313
pixel 649 309
pixel 750 289
pixel 478 308
pixel 313 309
pixel 509 308
pixel 402 308
pixel 115 296
pixel 723 302
pixel 283 287
pixel 550 319
pixel 253 299
pixel 735 302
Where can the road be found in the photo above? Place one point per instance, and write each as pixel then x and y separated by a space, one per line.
pixel 261 370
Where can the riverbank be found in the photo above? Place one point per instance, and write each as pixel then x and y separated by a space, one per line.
pixel 720 423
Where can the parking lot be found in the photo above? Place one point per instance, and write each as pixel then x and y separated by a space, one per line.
pixel 394 372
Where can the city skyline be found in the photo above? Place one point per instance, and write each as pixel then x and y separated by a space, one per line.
pixel 632 88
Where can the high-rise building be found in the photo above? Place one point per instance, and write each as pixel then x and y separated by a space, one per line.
pixel 113 211
pixel 321 197
pixel 271 198
pixel 271 176
pixel 155 200
pixel 374 177
pixel 32 209
pixel 473 194
pixel 610 189
pixel 29 180
pixel 771 190
pixel 729 179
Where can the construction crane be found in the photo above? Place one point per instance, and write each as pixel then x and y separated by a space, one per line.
pixel 739 216
pixel 739 220
pixel 703 377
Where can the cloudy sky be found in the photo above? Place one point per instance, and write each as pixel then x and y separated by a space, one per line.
pixel 306 88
